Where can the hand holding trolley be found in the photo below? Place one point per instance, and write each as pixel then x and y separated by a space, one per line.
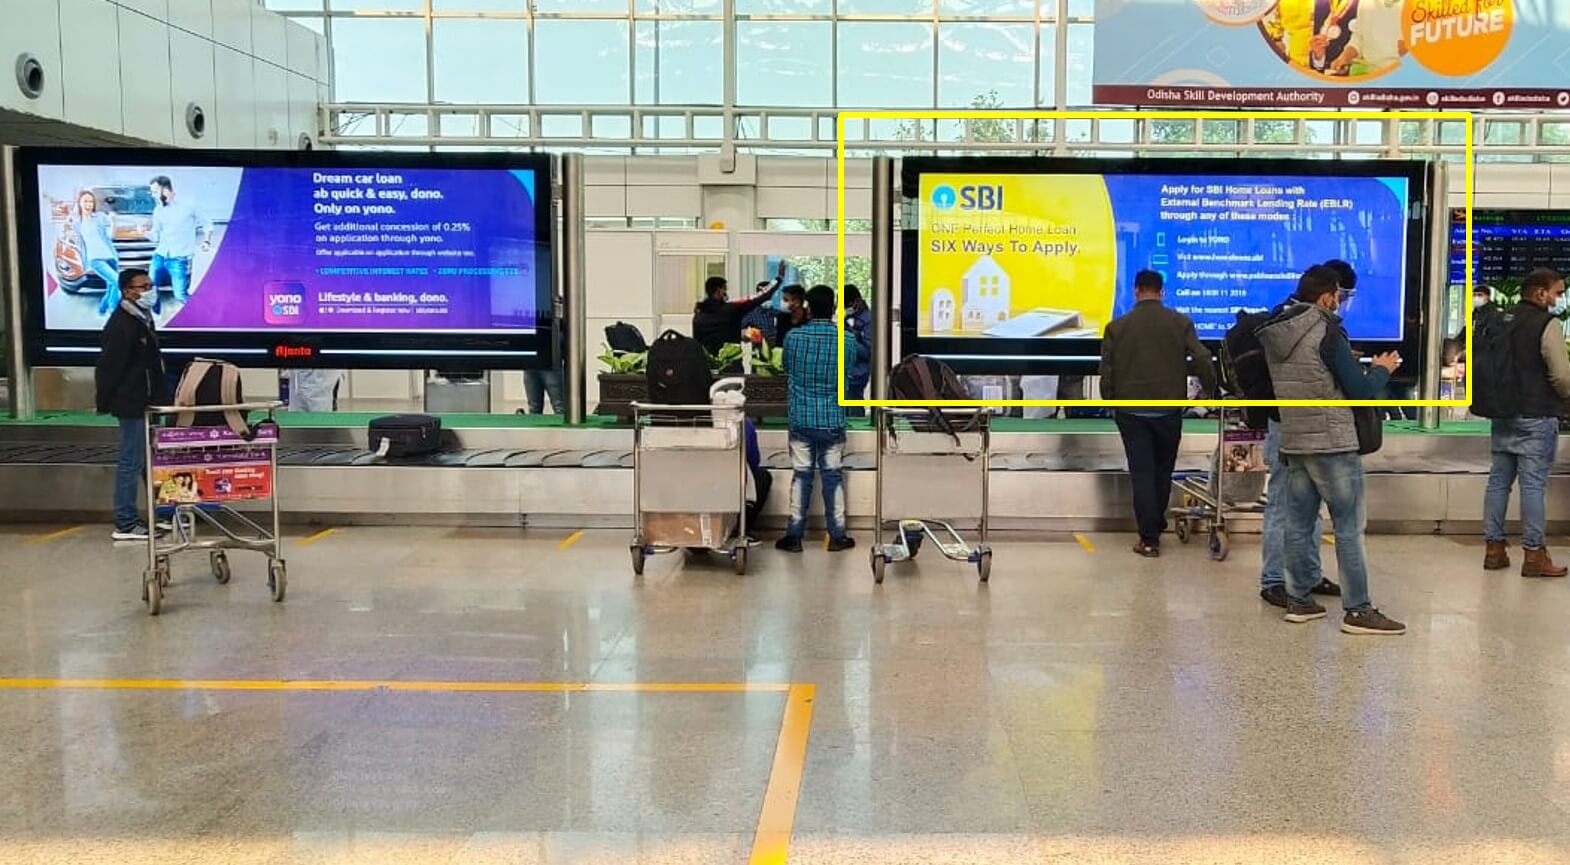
pixel 689 488
pixel 194 474
pixel 941 476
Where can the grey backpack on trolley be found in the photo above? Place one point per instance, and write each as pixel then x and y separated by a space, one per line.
pixel 924 379
pixel 212 382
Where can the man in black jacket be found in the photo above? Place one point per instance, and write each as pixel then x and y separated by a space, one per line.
pixel 1146 354
pixel 716 320
pixel 129 378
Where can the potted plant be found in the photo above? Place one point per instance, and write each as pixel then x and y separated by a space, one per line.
pixel 624 381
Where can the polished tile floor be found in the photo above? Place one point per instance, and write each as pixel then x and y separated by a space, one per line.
pixel 1086 707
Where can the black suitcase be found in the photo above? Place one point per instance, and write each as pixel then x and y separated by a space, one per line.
pixel 405 435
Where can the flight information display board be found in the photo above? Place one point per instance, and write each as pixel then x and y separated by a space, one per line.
pixel 1506 244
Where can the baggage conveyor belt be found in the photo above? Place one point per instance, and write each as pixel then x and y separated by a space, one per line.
pixel 1050 475
pixel 554 458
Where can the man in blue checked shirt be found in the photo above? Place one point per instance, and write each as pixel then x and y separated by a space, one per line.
pixel 817 420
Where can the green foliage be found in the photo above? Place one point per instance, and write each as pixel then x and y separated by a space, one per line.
pixel 630 363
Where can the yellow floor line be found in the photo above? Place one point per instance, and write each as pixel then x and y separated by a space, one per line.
pixel 570 540
pixel 771 844
pixel 1085 542
pixel 322 535
pixel 54 536
pixel 1329 539
pixel 24 684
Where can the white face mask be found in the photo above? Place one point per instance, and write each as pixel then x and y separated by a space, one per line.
pixel 1478 302
pixel 147 300
pixel 1560 305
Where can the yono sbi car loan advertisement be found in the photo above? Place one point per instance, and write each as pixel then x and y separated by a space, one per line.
pixel 298 249
pixel 1054 255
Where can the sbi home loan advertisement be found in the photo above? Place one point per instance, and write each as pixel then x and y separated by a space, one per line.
pixel 297 249
pixel 1054 255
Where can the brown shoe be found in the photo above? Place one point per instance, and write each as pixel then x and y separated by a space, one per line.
pixel 1496 558
pixel 1149 551
pixel 1536 563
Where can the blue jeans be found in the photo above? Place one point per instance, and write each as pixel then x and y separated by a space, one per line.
pixel 822 451
pixel 1273 571
pixel 537 383
pixel 178 273
pixel 1337 480
pixel 129 470
pixel 856 388
pixel 1523 448
pixel 108 271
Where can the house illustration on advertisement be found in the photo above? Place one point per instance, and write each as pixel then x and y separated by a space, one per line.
pixel 942 311
pixel 986 294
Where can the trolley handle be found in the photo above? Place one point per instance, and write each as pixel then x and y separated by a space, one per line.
pixel 241 406
pixel 658 407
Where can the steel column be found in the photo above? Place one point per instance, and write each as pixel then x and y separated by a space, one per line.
pixel 574 282
pixel 883 289
pixel 18 372
pixel 1437 209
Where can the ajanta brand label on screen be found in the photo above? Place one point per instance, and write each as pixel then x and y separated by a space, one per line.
pixel 300 249
pixel 1026 256
pixel 1324 53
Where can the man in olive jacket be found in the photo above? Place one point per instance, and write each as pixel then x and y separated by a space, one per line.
pixel 130 377
pixel 1148 353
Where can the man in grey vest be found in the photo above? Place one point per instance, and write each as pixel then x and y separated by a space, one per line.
pixel 1310 358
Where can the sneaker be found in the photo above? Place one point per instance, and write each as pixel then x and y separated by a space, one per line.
pixel 1327 588
pixel 1371 621
pixel 788 544
pixel 751 541
pixel 137 532
pixel 839 545
pixel 1275 596
pixel 1299 612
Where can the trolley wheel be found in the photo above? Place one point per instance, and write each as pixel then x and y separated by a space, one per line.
pixel 638 558
pixel 984 565
pixel 153 591
pixel 163 571
pixel 219 560
pixel 879 563
pixel 1220 543
pixel 739 559
pixel 913 541
pixel 1180 528
pixel 277 579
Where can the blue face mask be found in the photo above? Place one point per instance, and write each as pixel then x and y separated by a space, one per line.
pixel 1560 305
pixel 147 300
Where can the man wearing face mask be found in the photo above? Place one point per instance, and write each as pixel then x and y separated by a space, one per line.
pixel 128 378
pixel 1310 359
pixel 1523 447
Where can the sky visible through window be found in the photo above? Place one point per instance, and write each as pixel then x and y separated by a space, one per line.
pixel 789 53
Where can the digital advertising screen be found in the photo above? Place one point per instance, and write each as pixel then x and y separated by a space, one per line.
pixel 1507 244
pixel 1029 259
pixel 265 257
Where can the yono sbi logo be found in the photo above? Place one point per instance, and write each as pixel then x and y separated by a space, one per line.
pixel 285 302
pixel 943 197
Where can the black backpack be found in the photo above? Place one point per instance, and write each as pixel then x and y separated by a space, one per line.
pixel 1244 371
pixel 678 371
pixel 1496 382
pixel 928 380
pixel 624 338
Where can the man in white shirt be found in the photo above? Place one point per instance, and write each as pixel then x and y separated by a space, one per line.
pixel 1376 39
pixel 178 231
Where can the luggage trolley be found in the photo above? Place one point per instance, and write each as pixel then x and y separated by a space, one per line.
pixel 194 474
pixel 689 487
pixel 917 466
pixel 1232 488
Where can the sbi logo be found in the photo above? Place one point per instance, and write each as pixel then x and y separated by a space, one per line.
pixel 968 198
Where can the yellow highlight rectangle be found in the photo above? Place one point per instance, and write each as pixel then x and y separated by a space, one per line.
pixel 1439 209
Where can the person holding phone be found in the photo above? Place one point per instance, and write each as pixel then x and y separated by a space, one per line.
pixel 1311 360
